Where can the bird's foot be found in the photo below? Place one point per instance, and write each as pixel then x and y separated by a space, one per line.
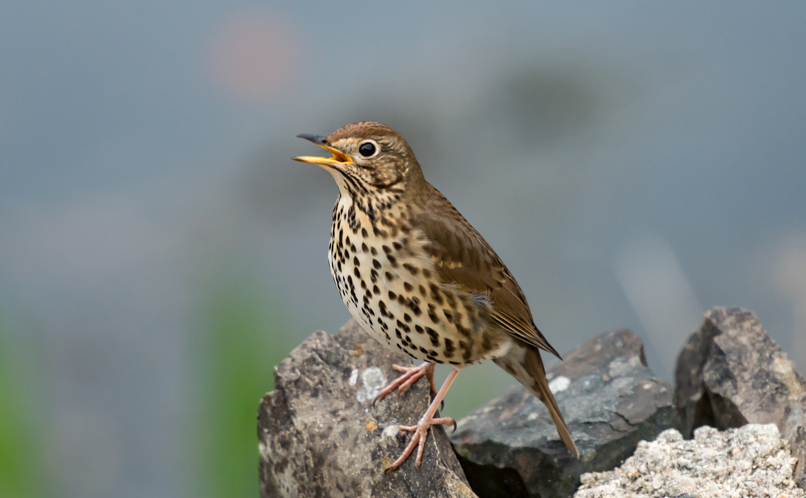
pixel 409 377
pixel 418 439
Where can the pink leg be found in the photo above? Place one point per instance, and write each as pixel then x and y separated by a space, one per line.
pixel 409 377
pixel 427 420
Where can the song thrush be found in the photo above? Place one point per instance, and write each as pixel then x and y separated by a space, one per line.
pixel 419 278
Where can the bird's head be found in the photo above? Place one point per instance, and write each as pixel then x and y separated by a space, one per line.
pixel 369 160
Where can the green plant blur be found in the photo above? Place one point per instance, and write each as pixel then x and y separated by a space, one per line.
pixel 19 472
pixel 245 335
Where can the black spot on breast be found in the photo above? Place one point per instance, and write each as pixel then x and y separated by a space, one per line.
pixel 364 232
pixel 419 329
pixel 462 330
pixel 433 334
pixel 375 290
pixel 433 316
pixel 389 276
pixel 397 245
pixel 407 286
pixel 466 350
pixel 448 315
pixel 356 273
pixel 422 290
pixel 392 260
pixel 364 247
pixel 403 326
pixel 373 251
pixel 376 264
pixel 373 275
pixel 435 295
pixel 449 348
pixel 411 268
pixel 407 317
pixel 355 261
pixel 398 334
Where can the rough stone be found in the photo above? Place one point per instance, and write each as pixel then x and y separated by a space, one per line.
pixel 731 373
pixel 320 436
pixel 610 400
pixel 752 461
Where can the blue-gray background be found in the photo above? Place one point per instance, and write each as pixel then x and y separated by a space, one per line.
pixel 633 163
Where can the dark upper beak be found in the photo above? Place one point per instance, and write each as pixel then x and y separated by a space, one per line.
pixel 317 139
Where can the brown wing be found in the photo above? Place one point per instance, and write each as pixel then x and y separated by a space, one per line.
pixel 462 257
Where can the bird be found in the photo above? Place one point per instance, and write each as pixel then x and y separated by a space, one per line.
pixel 419 278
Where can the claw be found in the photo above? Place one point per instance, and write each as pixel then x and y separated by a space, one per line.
pixel 426 421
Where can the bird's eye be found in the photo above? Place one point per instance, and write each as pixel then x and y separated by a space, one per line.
pixel 367 149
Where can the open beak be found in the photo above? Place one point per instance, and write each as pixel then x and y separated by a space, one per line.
pixel 339 158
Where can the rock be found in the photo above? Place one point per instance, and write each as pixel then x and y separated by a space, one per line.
pixel 320 436
pixel 731 373
pixel 610 400
pixel 752 461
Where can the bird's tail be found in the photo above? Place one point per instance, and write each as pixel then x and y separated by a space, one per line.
pixel 530 372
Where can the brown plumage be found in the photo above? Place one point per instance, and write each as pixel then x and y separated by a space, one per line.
pixel 419 277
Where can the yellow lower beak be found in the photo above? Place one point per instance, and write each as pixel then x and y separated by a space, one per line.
pixel 339 158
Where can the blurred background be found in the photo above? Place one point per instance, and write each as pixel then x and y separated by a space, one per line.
pixel 633 163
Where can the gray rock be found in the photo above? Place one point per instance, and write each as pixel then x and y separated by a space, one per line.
pixel 752 461
pixel 731 373
pixel 610 400
pixel 320 436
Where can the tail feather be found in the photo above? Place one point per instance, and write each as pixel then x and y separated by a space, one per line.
pixel 530 372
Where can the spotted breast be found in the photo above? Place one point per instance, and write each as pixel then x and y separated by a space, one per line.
pixel 386 279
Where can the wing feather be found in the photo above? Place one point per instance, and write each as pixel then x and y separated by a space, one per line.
pixel 462 257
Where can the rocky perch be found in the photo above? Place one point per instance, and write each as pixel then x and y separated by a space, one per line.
pixel 320 436
pixel 749 462
pixel 731 373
